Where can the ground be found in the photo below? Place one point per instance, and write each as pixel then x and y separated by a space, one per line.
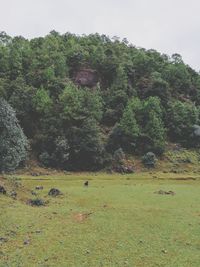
pixel 119 220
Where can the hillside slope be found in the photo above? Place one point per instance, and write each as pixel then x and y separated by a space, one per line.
pixel 86 101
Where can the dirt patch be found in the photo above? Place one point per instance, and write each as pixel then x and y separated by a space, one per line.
pixel 162 192
pixel 81 217
pixel 184 179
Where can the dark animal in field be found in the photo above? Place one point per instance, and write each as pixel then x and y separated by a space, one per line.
pixel 86 183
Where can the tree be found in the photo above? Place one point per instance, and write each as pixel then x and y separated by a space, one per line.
pixel 181 116
pixel 149 160
pixel 86 146
pixel 155 131
pixel 158 87
pixel 153 125
pixel 13 142
pixel 42 101
pixel 79 104
pixel 129 124
pixel 21 98
pixel 57 154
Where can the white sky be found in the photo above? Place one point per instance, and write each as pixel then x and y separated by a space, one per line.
pixel 169 26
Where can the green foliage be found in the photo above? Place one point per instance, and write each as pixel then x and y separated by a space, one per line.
pixel 149 160
pixel 57 155
pixel 129 124
pixel 119 155
pixel 86 146
pixel 140 98
pixel 13 143
pixel 181 116
pixel 78 104
pixel 154 126
pixel 21 98
pixel 42 101
pixel 142 126
pixel 183 156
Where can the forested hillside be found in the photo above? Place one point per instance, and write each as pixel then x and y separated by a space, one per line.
pixel 85 101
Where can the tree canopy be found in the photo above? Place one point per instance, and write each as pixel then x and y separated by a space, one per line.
pixel 13 143
pixel 81 98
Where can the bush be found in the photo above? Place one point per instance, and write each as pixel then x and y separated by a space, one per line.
pixel 118 160
pixel 195 136
pixel 149 160
pixel 119 156
pixel 45 159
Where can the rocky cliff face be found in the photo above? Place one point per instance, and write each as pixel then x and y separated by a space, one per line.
pixel 86 77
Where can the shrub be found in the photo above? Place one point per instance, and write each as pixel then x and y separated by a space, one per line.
pixel 149 160
pixel 119 155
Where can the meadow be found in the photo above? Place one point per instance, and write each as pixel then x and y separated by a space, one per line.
pixel 117 221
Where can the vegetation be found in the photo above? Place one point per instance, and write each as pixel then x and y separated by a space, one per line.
pixel 78 99
pixel 13 143
pixel 149 160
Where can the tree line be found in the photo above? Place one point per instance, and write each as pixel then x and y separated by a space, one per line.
pixel 141 101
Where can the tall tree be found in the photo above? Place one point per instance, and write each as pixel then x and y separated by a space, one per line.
pixel 13 142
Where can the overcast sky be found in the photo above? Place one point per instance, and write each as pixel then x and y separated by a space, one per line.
pixel 169 26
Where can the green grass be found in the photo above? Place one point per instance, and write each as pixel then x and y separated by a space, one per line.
pixel 117 221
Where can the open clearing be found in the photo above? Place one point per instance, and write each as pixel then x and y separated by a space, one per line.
pixel 118 220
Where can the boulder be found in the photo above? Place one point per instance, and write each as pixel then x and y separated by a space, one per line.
pixel 36 202
pixel 2 190
pixel 39 187
pixel 54 192
pixel 13 194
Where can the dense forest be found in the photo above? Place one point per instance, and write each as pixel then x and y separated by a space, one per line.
pixel 83 102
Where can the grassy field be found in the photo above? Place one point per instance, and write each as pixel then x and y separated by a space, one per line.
pixel 118 220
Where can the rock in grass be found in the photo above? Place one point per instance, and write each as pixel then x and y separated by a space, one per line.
pixel 13 194
pixel 33 193
pixel 39 187
pixel 3 240
pixel 35 174
pixel 36 202
pixel 2 190
pixel 162 192
pixel 54 192
pixel 26 242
